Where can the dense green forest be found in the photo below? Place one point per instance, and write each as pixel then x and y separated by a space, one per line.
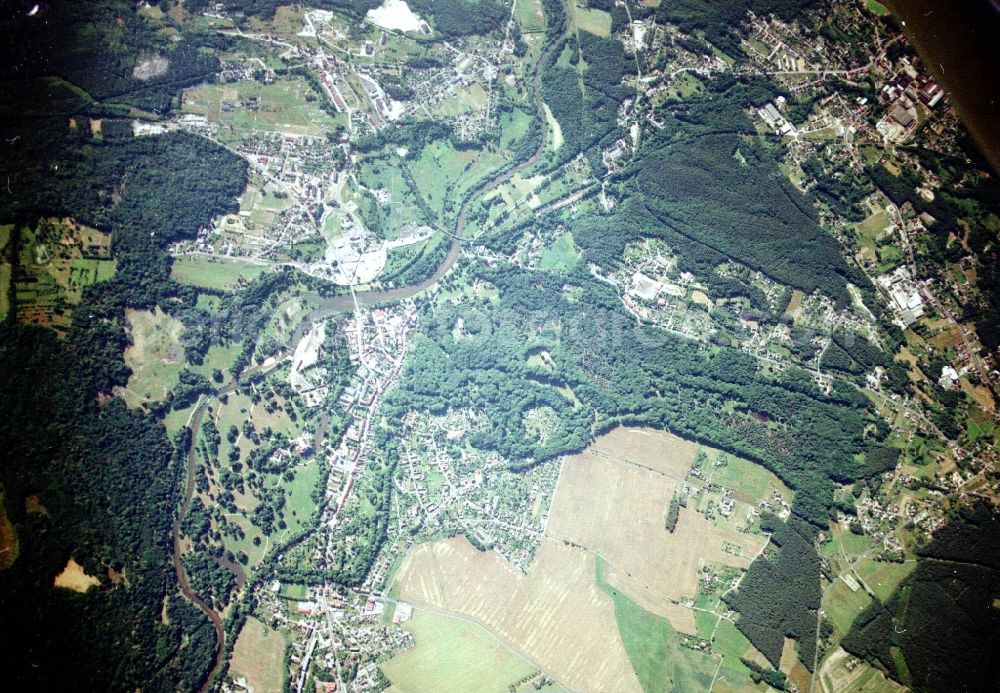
pixel 780 594
pixel 586 102
pixel 938 630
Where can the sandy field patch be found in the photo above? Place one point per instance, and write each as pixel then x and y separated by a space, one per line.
pixel 556 614
pixel 74 578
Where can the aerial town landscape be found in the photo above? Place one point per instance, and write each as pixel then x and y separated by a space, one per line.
pixel 502 345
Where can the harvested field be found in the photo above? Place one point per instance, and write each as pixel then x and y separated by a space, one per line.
pixel 454 655
pixel 611 502
pixel 646 447
pixel 74 578
pixel 555 614
pixel 618 510
pixel 259 657
pixel 681 618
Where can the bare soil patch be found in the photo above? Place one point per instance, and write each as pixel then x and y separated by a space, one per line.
pixel 74 578
pixel 149 66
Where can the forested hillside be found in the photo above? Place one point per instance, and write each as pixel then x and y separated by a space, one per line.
pixel 87 478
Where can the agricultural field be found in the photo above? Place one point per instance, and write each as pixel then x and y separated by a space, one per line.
pixel 556 614
pixel 155 356
pixel 606 557
pixel 259 657
pixel 57 260
pixel 658 451
pixel 616 506
pixel 453 655
pixel 661 661
pixel 213 273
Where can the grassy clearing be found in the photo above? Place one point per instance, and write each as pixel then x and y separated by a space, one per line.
pixel 212 273
pixel 155 356
pixel 281 106
pixel 884 577
pixel 453 655
pixel 843 605
pixel 554 129
pixel 561 255
pixel 219 357
pixel 877 8
pixel 59 258
pixel 4 290
pixel 530 16
pixel 597 22
pixel 176 419
pixel 259 657
pixel 749 480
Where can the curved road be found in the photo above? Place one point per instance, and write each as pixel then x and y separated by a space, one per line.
pixel 328 307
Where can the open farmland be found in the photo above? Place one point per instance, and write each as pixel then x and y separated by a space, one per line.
pixel 556 614
pixel 453 655
pixel 609 510
pixel 645 447
pixel 259 657
pixel 616 505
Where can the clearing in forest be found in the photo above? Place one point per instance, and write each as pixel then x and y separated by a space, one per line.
pixel 74 578
pixel 597 22
pixel 9 545
pixel 454 655
pixel 156 356
pixel 259 657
